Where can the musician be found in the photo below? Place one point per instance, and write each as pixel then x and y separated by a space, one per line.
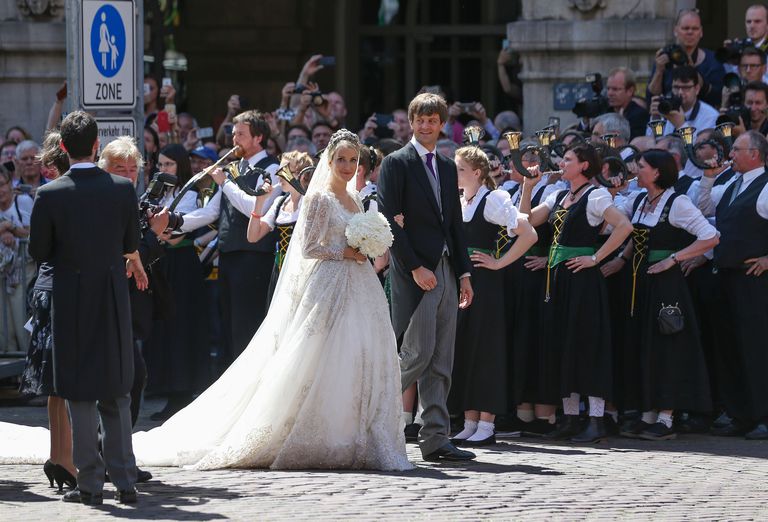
pixel 741 261
pixel 244 268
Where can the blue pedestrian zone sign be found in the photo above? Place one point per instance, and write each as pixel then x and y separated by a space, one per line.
pixel 108 54
pixel 108 41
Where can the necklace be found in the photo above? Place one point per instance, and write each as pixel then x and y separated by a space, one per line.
pixel 575 192
pixel 469 199
pixel 649 203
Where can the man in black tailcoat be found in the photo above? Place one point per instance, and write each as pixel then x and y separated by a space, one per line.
pixel 85 223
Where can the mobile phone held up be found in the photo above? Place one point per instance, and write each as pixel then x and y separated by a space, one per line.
pixel 205 132
pixel 327 61
pixel 382 125
pixel 163 125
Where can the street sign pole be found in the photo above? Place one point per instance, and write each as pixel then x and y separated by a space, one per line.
pixel 105 76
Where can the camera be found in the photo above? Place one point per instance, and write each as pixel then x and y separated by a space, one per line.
pixel 731 53
pixel 736 106
pixel 677 56
pixel 160 185
pixel 670 102
pixel 595 106
pixel 317 96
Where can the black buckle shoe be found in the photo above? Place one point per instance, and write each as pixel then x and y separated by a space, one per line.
pixel 594 432
pixel 632 429
pixel 83 497
pixel 412 432
pixel 126 497
pixel 477 443
pixel 658 431
pixel 568 428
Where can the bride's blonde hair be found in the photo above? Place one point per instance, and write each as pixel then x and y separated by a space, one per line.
pixel 343 137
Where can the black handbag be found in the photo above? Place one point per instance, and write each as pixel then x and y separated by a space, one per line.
pixel 671 320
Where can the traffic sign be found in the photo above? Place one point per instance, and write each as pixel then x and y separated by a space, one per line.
pixel 111 128
pixel 108 54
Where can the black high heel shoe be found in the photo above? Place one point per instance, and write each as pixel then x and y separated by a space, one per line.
pixel 49 469
pixel 62 476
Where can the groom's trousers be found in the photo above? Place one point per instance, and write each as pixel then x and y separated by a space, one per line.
pixel 426 356
pixel 116 443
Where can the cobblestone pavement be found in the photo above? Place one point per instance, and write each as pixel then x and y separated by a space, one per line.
pixel 694 477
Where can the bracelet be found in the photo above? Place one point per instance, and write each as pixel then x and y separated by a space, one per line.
pixel 255 215
pixel 622 258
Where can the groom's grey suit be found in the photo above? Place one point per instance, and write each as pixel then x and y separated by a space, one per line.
pixel 432 238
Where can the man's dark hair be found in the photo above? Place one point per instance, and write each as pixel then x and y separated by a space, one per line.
pixel 302 128
pixel 257 123
pixel 757 86
pixel 321 123
pixel 665 163
pixel 753 51
pixel 78 134
pixel 8 143
pixel 426 104
pixel 685 73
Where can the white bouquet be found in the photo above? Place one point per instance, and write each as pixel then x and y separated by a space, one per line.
pixel 369 232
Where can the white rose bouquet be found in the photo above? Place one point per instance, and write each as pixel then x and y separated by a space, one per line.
pixel 369 232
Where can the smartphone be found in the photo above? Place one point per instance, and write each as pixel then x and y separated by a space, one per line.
pixel 467 106
pixel 505 44
pixel 327 61
pixel 167 81
pixel 162 122
pixel 146 89
pixel 382 130
pixel 10 166
pixel 228 129
pixel 205 132
pixel 382 120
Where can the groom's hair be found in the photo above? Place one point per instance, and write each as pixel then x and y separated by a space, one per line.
pixel 78 134
pixel 426 104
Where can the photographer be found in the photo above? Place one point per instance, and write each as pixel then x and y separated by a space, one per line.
pixel 686 51
pixel 756 100
pixel 620 90
pixel 683 108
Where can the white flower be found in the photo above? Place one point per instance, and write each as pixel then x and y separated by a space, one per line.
pixel 369 232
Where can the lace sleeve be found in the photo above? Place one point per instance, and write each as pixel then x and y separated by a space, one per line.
pixel 317 244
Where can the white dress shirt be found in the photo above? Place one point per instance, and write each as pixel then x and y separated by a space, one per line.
pixel 239 199
pixel 598 201
pixel 682 214
pixel 498 210
pixel 709 199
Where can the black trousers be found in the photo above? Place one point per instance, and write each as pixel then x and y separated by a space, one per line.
pixel 244 283
pixel 139 381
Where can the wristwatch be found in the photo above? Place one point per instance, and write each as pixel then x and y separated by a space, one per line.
pixel 673 257
pixel 594 258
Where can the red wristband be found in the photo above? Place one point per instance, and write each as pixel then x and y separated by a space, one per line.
pixel 255 215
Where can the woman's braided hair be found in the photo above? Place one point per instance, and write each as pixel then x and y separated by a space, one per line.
pixel 341 136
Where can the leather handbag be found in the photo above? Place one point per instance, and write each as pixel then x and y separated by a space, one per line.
pixel 671 320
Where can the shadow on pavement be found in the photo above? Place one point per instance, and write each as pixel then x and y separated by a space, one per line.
pixel 15 491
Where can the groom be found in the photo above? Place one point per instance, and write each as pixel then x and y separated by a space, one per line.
pixel 428 254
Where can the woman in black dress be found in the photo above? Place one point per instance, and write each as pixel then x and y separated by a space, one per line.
pixel 479 384
pixel 672 373
pixel 282 214
pixel 576 342
pixel 178 352
pixel 38 373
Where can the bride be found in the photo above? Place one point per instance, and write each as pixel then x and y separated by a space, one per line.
pixel 319 384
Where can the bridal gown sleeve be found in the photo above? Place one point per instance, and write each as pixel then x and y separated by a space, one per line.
pixel 316 236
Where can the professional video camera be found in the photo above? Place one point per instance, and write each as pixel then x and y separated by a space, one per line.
pixel 731 53
pixel 598 104
pixel 160 185
pixel 677 56
pixel 736 108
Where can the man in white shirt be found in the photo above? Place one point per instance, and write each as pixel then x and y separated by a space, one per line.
pixel 742 262
pixel 244 268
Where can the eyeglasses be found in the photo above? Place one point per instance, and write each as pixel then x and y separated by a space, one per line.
pixel 749 66
pixel 166 164
pixel 737 149
pixel 682 87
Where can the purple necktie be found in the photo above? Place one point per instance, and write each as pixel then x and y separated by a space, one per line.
pixel 431 155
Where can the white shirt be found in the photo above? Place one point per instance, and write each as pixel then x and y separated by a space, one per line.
pixel 187 204
pixel 367 190
pixel 706 118
pixel 283 217
pixel 509 184
pixel 498 210
pixel 682 214
pixel 423 151
pixel 709 199
pixel 239 199
pixel 548 189
pixel 717 191
pixel 25 209
pixel 598 201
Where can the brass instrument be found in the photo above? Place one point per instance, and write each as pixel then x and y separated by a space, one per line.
pixel 285 173
pixel 687 133
pixel 515 154
pixel 200 175
pixel 473 134
pixel 610 139
pixel 657 127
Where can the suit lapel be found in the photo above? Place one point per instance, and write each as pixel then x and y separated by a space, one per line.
pixel 416 166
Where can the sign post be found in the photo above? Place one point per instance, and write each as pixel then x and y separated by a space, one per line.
pixel 106 74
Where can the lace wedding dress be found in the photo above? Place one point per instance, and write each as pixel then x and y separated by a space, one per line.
pixel 317 387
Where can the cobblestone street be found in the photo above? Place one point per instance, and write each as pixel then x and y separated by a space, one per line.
pixel 694 477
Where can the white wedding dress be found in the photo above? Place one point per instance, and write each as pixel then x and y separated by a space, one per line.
pixel 317 387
